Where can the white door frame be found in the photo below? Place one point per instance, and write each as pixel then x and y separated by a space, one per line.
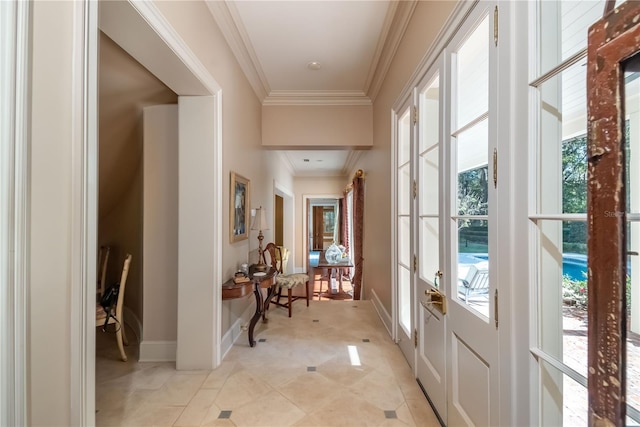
pixel 14 281
pixel 84 206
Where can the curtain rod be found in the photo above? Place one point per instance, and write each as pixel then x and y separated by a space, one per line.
pixel 359 174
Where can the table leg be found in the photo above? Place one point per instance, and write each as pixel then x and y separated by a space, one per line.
pixel 256 316
pixel 270 293
pixel 339 271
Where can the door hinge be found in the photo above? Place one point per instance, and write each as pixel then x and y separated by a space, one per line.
pixel 495 307
pixel 415 115
pixel 495 168
pixel 415 263
pixel 415 338
pixel 415 189
pixel 495 26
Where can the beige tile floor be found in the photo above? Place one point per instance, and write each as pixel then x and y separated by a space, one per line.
pixel 305 372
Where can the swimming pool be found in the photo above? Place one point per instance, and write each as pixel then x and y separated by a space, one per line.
pixel 573 265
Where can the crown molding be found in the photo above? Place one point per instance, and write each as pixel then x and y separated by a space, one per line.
pixel 350 163
pixel 401 17
pixel 384 33
pixel 226 16
pixel 286 161
pixel 294 97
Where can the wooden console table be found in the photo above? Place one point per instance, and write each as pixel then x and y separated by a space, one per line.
pixel 231 290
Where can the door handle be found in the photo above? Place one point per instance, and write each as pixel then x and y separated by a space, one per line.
pixel 437 299
pixel 436 277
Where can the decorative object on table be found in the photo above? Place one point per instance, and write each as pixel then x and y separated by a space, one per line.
pixel 259 224
pixel 238 208
pixel 240 277
pixel 244 267
pixel 333 255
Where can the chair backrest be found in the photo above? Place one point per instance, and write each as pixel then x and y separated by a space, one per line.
pixel 480 280
pixel 275 254
pixel 123 283
pixel 103 257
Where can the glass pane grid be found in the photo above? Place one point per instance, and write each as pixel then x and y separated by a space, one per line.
pixel 472 75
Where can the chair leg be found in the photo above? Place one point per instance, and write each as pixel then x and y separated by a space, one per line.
pixel 119 339
pixel 289 304
pixel 306 285
pixel 124 334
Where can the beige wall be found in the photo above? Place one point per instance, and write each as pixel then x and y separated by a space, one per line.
pixel 428 18
pixel 317 125
pixel 160 225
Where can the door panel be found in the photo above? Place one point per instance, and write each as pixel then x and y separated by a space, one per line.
pixel 473 373
pixel 471 392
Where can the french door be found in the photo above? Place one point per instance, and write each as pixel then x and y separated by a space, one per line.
pixel 446 219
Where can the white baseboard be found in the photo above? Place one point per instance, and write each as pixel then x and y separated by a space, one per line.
pixel 382 312
pixel 234 332
pixel 158 351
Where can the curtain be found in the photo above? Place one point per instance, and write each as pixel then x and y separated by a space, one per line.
pixel 358 224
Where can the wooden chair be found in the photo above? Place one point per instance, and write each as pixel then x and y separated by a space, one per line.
pixel 116 312
pixel 288 281
pixel 103 258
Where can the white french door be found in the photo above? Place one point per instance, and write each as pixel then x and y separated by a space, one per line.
pixel 446 226
pixel 472 324
pixel 431 355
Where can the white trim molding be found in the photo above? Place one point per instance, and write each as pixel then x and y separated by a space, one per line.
pixel 382 312
pixel 237 329
pixel 84 212
pixel 14 199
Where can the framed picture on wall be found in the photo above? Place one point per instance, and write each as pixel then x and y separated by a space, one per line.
pixel 238 208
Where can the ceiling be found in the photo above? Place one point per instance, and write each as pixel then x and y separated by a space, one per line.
pixel 277 42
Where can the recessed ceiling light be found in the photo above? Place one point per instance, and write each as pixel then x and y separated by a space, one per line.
pixel 305 160
pixel 314 65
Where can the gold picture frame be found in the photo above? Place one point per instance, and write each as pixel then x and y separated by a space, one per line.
pixel 239 199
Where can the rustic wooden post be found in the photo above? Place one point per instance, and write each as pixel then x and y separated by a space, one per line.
pixel 612 41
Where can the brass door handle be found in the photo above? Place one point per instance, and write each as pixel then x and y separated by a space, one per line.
pixel 437 276
pixel 436 299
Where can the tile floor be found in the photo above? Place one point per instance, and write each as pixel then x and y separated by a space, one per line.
pixel 332 364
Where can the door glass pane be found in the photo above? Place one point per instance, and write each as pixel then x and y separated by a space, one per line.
pixel 473 264
pixel 564 29
pixel 404 138
pixel 429 248
pixel 562 155
pixel 471 86
pixel 428 179
pixel 404 240
pixel 404 190
pixel 472 76
pixel 562 279
pixel 632 186
pixel 563 401
pixel 472 167
pixel 633 311
pixel 404 294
